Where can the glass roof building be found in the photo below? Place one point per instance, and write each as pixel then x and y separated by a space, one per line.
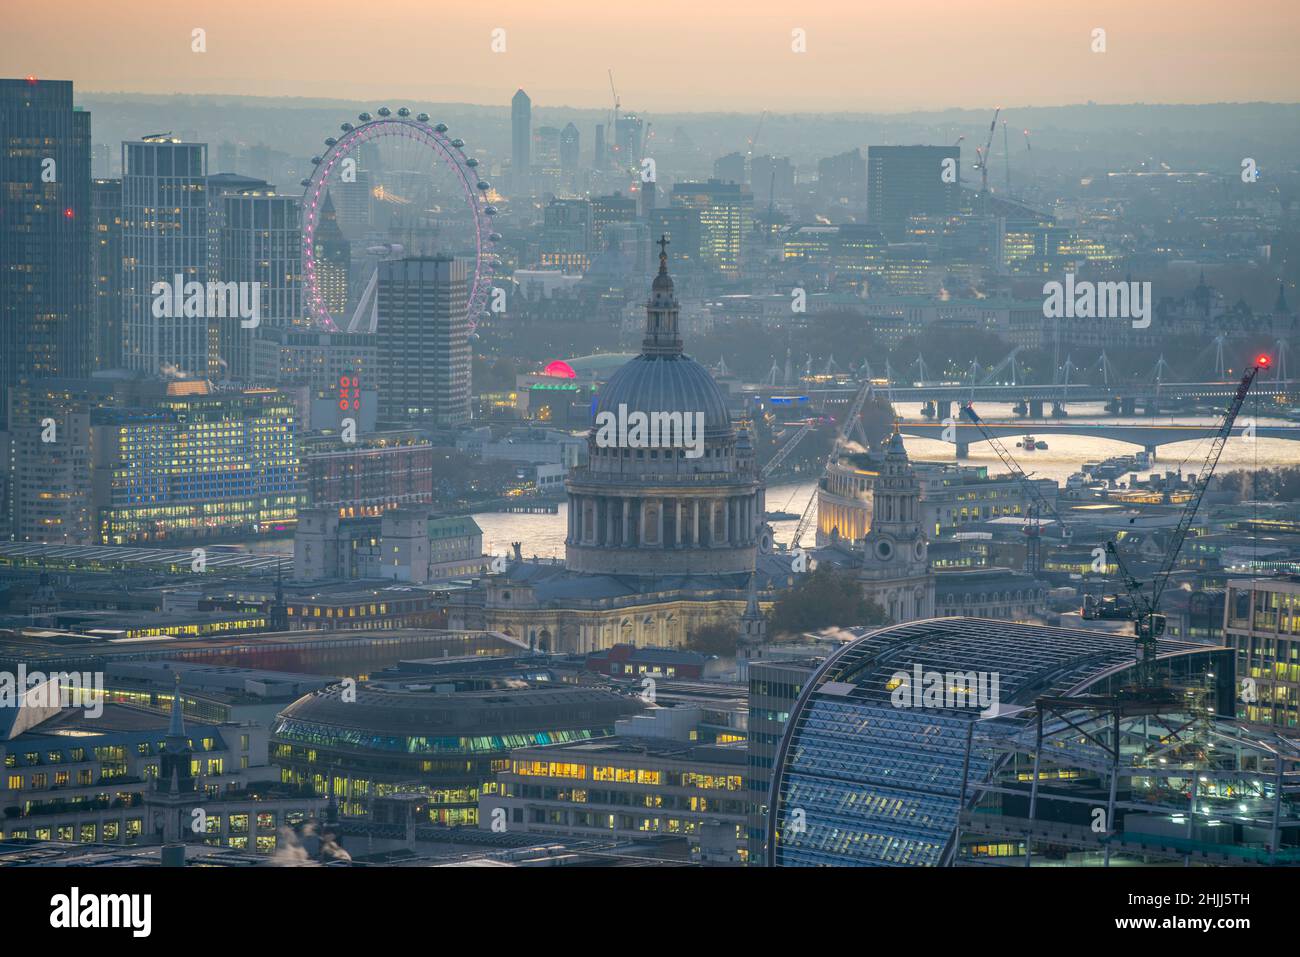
pixel 909 732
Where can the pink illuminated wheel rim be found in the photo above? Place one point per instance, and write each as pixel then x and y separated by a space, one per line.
pixel 450 152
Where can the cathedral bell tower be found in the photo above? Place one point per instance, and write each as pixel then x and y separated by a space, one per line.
pixel 895 571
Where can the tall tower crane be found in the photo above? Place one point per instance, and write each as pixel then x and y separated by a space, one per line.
pixel 613 123
pixel 1144 611
pixel 1033 531
pixel 982 156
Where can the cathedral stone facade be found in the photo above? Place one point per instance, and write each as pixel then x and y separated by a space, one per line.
pixel 872 510
pixel 659 542
pixel 656 511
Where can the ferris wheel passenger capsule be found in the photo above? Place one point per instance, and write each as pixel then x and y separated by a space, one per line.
pixel 384 111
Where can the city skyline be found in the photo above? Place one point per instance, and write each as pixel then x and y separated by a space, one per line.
pixel 929 55
pixel 547 437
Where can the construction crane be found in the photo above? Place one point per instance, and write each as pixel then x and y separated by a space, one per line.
pixel 771 207
pixel 1006 156
pixel 753 140
pixel 982 155
pixel 845 424
pixel 784 452
pixel 1034 530
pixel 613 123
pixel 1144 612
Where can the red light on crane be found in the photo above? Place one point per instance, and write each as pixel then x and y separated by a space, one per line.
pixel 1262 361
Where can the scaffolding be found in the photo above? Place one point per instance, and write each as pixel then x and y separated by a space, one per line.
pixel 1140 776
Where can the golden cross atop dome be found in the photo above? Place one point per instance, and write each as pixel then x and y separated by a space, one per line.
pixel 662 243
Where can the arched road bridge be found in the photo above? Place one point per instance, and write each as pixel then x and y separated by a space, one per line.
pixel 1150 437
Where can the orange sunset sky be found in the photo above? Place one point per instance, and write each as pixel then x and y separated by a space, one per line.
pixel 670 56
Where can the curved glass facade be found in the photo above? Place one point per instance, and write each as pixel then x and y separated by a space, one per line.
pixel 875 755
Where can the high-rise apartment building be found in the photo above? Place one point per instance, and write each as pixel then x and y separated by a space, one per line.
pixel 46 311
pixel 49 473
pixel 606 210
pixel 905 181
pixel 771 178
pixel 106 262
pixel 627 142
pixel 521 140
pixel 730 168
pixel 842 179
pixel 165 235
pixel 423 339
pixel 260 243
pixel 726 217
pixel 570 141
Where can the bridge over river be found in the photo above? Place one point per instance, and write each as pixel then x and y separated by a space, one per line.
pixel 1150 436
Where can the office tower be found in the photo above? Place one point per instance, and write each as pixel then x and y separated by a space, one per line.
pixel 682 227
pixel 569 148
pixel 726 214
pixel 771 178
pixel 165 235
pixel 46 310
pixel 546 160
pixel 628 141
pixel 600 160
pixel 521 138
pixel 842 179
pixel 648 199
pixel 106 262
pixel 261 242
pixel 905 181
pixel 221 185
pixel 333 259
pixel 774 688
pixel 609 209
pixel 1261 627
pixel 352 202
pixel 566 235
pixel 730 168
pixel 547 142
pixel 194 464
pixel 49 462
pixel 423 335
pixel 101 160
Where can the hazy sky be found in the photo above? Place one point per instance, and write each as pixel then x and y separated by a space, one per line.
pixel 871 55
